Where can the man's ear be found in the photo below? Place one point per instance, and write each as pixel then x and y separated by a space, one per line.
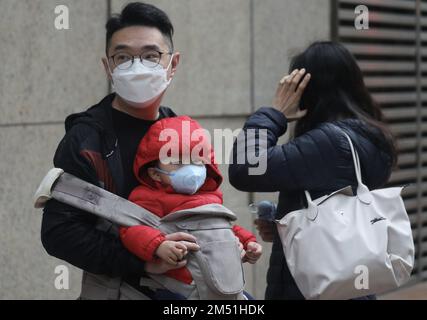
pixel 154 174
pixel 175 62
pixel 107 68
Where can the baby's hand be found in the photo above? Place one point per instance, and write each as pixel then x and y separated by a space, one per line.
pixel 171 252
pixel 253 252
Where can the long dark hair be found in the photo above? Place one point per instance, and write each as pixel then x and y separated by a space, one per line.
pixel 337 91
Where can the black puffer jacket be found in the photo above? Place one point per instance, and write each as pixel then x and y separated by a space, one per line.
pixel 319 161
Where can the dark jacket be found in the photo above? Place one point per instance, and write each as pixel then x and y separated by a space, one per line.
pixel 319 161
pixel 91 152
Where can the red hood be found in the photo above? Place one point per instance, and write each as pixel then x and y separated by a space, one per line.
pixel 185 128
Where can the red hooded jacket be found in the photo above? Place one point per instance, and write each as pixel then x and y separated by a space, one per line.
pixel 161 200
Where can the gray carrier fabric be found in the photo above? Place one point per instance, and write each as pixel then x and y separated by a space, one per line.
pixel 216 268
pixel 107 205
pixel 99 287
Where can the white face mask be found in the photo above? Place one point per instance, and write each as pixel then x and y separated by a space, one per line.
pixel 139 84
pixel 187 179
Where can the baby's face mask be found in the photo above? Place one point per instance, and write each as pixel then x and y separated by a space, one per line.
pixel 188 179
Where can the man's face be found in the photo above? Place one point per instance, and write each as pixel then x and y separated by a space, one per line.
pixel 138 40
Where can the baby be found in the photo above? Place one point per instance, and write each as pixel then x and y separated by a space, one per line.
pixel 169 187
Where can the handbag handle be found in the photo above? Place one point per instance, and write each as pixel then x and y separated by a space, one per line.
pixel 363 192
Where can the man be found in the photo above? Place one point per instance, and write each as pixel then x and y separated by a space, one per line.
pixel 99 147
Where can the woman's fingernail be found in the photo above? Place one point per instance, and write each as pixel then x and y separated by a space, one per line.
pixel 302 70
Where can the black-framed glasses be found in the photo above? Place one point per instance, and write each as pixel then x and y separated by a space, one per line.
pixel 149 58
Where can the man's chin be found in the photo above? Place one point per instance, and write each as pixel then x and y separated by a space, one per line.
pixel 143 105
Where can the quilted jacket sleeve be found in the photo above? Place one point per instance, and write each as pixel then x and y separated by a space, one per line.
pixel 284 167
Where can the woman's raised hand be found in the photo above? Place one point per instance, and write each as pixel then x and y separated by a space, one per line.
pixel 289 93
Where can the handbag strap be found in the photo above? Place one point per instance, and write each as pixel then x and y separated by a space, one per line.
pixel 363 192
pixel 355 156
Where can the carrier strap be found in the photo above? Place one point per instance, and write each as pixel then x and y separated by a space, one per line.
pixel 88 197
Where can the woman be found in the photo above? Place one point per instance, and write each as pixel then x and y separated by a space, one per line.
pixel 326 89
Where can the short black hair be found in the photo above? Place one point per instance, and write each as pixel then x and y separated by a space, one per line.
pixel 140 14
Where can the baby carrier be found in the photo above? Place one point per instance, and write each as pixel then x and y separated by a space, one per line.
pixel 216 268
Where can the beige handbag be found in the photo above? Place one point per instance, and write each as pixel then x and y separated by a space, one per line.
pixel 344 246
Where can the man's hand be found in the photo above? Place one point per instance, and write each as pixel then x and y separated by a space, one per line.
pixel 253 252
pixel 265 229
pixel 160 266
pixel 171 252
